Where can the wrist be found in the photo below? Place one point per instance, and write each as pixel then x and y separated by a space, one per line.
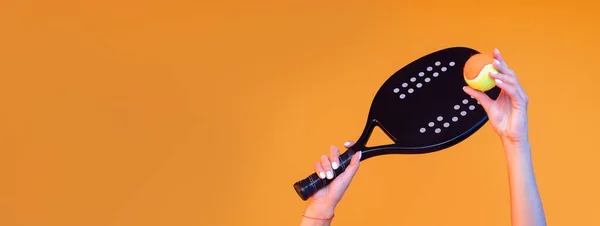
pixel 517 152
pixel 319 210
pixel 521 144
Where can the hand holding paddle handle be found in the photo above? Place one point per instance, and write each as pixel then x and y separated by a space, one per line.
pixel 313 183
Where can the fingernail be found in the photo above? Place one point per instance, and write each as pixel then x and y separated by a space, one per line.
pixel 322 175
pixel 359 155
pixel 498 51
pixel 497 62
pixel 329 175
pixel 347 143
pixel 334 165
pixel 498 81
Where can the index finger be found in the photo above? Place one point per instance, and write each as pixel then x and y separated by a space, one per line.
pixel 334 156
pixel 501 65
pixel 508 74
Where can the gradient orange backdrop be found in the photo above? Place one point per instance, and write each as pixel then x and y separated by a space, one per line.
pixel 205 113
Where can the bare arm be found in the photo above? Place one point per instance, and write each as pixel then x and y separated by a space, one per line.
pixel 508 116
pixel 525 201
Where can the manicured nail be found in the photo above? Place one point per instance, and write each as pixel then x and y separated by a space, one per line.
pixel 329 175
pixel 347 143
pixel 498 51
pixel 322 175
pixel 497 62
pixel 498 81
pixel 334 165
pixel 359 155
pixel 493 73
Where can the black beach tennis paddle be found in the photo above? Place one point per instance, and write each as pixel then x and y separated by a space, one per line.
pixel 422 108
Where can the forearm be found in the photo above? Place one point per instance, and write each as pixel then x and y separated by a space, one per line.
pixel 525 202
pixel 317 215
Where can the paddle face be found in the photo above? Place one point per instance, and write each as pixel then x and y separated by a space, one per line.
pixel 422 108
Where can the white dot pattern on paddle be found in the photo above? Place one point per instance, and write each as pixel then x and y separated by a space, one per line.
pixel 425 76
pixel 432 125
pixel 463 112
pixel 449 120
pixel 428 75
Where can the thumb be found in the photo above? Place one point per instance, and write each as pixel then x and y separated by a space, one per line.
pixel 481 97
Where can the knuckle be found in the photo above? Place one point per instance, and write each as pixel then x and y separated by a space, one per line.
pixel 510 71
pixel 318 165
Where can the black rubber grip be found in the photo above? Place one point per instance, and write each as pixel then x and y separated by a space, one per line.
pixel 313 183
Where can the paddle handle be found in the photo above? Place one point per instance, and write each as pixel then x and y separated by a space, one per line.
pixel 313 183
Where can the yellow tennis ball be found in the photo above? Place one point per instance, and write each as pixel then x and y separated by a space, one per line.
pixel 476 72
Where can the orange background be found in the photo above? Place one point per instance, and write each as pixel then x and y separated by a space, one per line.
pixel 191 113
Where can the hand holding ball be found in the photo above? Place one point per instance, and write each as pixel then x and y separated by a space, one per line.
pixel 476 72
